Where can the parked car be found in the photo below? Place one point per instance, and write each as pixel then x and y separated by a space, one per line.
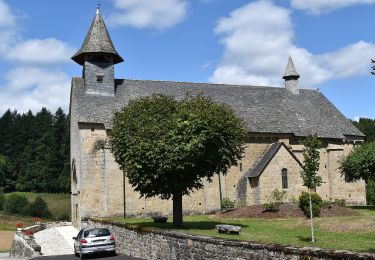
pixel 94 240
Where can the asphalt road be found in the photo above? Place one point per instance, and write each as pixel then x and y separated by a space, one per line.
pixel 93 257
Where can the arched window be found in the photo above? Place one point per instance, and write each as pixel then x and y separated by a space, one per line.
pixel 284 178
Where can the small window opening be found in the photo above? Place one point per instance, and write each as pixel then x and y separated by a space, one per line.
pixel 240 167
pixel 92 129
pixel 284 178
pixel 99 78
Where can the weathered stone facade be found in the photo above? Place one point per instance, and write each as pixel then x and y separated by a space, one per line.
pixel 276 120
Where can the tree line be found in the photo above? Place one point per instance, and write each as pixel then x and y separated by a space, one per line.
pixel 34 151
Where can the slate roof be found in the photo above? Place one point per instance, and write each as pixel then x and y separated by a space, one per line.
pixel 290 70
pixel 263 109
pixel 262 162
pixel 97 41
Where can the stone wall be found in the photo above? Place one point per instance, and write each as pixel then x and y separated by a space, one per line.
pixel 156 244
pixel 24 246
pixel 102 191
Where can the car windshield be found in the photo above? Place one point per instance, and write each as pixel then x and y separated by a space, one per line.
pixel 96 232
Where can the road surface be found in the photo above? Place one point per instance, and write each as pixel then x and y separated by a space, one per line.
pixel 93 257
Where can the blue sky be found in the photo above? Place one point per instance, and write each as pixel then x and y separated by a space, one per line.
pixel 221 41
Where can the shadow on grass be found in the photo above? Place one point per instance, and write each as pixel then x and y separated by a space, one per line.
pixel 188 225
pixel 369 207
pixel 304 239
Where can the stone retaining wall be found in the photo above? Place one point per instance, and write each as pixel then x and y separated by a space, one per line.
pixel 24 246
pixel 158 244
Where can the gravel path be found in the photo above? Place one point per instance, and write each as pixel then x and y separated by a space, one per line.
pixel 52 242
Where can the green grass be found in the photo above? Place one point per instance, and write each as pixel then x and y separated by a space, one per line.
pixel 355 233
pixel 58 204
pixel 8 222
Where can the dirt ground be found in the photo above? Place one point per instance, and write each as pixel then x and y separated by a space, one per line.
pixel 6 240
pixel 287 210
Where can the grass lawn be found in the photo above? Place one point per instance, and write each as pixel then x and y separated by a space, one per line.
pixel 58 204
pixel 8 222
pixel 355 233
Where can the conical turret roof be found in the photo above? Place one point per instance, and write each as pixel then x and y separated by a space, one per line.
pixel 97 41
pixel 290 70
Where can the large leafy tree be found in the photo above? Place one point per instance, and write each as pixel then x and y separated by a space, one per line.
pixel 167 147
pixel 310 168
pixel 360 163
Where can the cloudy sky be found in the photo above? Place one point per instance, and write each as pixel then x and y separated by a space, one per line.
pixel 220 41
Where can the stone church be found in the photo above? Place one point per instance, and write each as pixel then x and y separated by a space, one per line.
pixel 276 120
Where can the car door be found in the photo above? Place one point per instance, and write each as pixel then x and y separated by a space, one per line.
pixel 76 241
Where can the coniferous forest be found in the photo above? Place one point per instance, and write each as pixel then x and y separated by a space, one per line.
pixel 34 151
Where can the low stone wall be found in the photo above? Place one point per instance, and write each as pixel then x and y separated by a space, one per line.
pixel 159 244
pixel 24 246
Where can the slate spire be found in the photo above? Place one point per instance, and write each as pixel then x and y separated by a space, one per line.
pixel 97 41
pixel 291 77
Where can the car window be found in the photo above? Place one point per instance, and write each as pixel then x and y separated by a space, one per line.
pixel 79 234
pixel 96 232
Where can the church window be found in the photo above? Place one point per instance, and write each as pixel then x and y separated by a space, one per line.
pixel 240 167
pixel 284 178
pixel 99 78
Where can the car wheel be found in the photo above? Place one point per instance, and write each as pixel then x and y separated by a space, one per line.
pixel 75 252
pixel 82 256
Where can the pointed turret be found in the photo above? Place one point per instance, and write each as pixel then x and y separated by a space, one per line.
pixel 291 77
pixel 97 41
pixel 98 57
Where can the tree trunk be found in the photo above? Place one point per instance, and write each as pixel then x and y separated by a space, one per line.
pixel 311 219
pixel 177 209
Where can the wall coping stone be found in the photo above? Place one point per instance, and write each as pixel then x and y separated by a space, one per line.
pixel 286 250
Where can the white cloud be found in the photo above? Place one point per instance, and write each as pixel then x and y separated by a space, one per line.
pixel 8 28
pixel 33 88
pixel 29 84
pixel 257 46
pixel 41 51
pixel 7 19
pixel 323 6
pixel 159 14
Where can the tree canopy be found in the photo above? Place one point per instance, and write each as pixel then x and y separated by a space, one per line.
pixel 168 147
pixel 310 165
pixel 360 163
pixel 34 151
pixel 366 126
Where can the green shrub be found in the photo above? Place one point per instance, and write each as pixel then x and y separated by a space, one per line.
pixel 2 200
pixel 39 208
pixel 272 206
pixel 304 204
pixel 327 203
pixel 340 202
pixel 275 200
pixel 16 204
pixel 226 203
pixel 63 217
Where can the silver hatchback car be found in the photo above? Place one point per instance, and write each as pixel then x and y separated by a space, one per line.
pixel 94 240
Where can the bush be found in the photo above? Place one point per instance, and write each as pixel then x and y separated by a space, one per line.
pixel 272 206
pixel 39 208
pixel 226 203
pixel 304 204
pixel 327 203
pixel 16 204
pixel 340 202
pixel 275 200
pixel 63 217
pixel 2 200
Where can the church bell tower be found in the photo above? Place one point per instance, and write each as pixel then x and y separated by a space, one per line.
pixel 98 57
